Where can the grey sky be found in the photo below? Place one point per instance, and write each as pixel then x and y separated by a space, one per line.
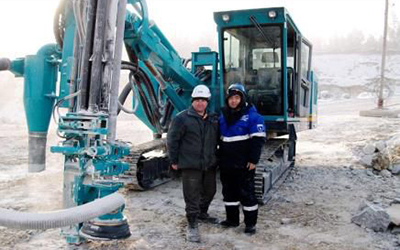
pixel 24 30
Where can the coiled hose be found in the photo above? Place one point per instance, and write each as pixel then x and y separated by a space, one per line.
pixel 61 218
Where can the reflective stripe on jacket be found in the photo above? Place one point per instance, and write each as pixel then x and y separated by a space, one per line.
pixel 242 141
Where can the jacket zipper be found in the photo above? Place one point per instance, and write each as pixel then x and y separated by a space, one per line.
pixel 202 127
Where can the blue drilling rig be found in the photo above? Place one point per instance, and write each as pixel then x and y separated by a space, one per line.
pixel 261 48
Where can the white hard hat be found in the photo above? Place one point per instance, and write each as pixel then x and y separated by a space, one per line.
pixel 201 91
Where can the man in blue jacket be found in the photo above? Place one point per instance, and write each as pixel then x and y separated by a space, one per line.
pixel 242 139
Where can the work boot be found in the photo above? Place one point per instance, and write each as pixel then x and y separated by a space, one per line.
pixel 232 217
pixel 193 234
pixel 250 230
pixel 227 224
pixel 250 219
pixel 206 218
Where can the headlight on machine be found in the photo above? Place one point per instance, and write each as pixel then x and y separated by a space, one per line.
pixel 272 14
pixel 226 18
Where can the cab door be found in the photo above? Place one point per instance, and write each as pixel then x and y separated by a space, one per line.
pixel 304 78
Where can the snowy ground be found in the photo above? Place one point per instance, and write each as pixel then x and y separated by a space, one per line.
pixel 311 210
pixel 354 69
pixel 316 201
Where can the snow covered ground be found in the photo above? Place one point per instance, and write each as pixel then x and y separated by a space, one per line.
pixel 342 76
pixel 354 69
pixel 311 210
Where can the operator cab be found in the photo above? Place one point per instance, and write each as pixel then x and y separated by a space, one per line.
pixel 255 60
pixel 264 50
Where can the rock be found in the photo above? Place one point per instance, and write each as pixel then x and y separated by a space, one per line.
pixel 385 173
pixel 380 145
pixel 394 213
pixel 364 95
pixel 369 230
pixel 381 161
pixel 167 202
pixel 309 203
pixel 346 96
pixel 396 169
pixel 396 201
pixel 369 172
pixel 285 221
pixel 348 186
pixel 325 94
pixel 395 230
pixel 394 141
pixel 372 217
pixel 367 160
pixel 377 202
pixel 284 199
pixel 385 151
pixel 369 149
pixel 362 206
pixel 377 167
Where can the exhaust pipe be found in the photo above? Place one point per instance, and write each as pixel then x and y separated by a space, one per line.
pixel 37 152
pixel 40 77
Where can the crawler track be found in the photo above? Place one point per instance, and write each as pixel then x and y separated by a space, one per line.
pixel 272 168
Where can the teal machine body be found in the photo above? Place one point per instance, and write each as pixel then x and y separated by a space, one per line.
pixel 262 49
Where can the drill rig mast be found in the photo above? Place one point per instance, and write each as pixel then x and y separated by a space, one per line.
pixel 262 48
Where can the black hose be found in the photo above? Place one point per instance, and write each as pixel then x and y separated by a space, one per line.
pixel 141 78
pixel 146 107
pixel 124 94
pixel 97 57
pixel 165 119
pixel 87 50
pixel 153 105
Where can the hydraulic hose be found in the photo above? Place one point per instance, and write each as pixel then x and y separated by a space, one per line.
pixel 124 94
pixel 97 56
pixel 61 218
pixel 87 51
pixel 167 113
pixel 150 105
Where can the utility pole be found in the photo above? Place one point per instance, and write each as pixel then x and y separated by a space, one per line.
pixel 380 99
